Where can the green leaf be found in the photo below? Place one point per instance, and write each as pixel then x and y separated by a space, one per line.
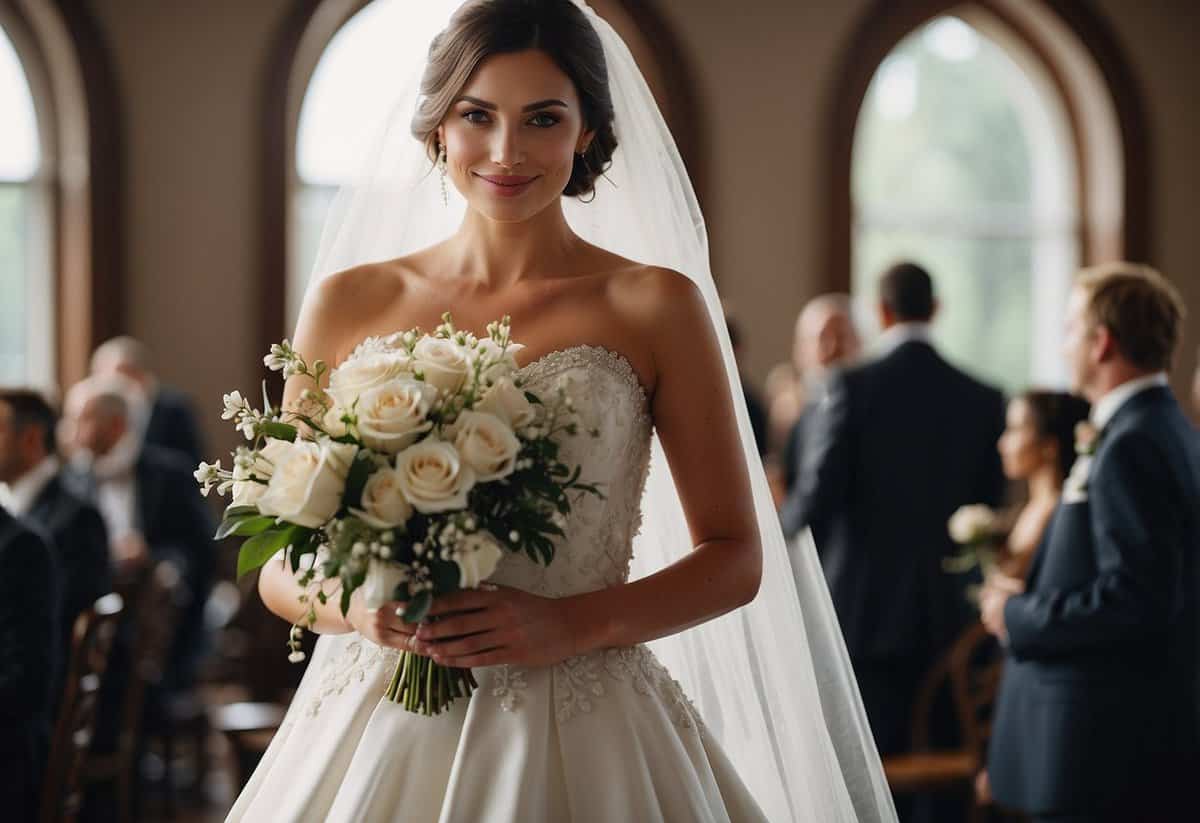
pixel 239 511
pixel 262 547
pixel 418 607
pixel 356 479
pixel 253 525
pixel 280 431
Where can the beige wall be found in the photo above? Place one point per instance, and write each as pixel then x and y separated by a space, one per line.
pixel 189 76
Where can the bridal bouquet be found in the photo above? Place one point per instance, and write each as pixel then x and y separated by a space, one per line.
pixel 408 476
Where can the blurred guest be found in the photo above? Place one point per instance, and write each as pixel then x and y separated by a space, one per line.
pixel 149 501
pixel 1098 715
pixel 170 421
pixel 28 648
pixel 1037 448
pixel 1196 391
pixel 825 339
pixel 785 402
pixel 32 487
pixel 895 447
pixel 754 404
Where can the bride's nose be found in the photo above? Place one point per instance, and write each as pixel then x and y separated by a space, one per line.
pixel 506 149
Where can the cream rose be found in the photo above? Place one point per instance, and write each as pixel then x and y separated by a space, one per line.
pixel 434 477
pixel 247 492
pixel 355 376
pixel 476 556
pixel 307 484
pixel 971 524
pixel 487 445
pixel 383 577
pixel 509 403
pixel 392 416
pixel 443 363
pixel 383 503
pixel 332 421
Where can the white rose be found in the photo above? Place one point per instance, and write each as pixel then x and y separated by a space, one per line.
pixel 383 577
pixel 354 377
pixel 247 492
pixel 383 503
pixel 487 445
pixel 443 363
pixel 476 556
pixel 391 417
pixel 332 421
pixel 307 484
pixel 496 364
pixel 509 403
pixel 972 523
pixel 433 476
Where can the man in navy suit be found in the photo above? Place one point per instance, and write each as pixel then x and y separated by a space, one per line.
pixel 895 447
pixel 1098 716
pixel 33 488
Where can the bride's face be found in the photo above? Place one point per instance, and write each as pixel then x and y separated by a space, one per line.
pixel 512 135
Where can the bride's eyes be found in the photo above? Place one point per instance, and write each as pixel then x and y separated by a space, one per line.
pixel 541 120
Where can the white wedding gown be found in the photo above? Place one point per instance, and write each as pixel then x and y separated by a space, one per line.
pixel 606 737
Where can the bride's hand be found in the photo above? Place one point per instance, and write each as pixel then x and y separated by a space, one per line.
pixel 382 626
pixel 494 625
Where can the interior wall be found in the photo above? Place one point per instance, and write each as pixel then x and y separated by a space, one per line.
pixel 189 76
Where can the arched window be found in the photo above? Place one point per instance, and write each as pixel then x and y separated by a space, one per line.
pixel 27 326
pixel 964 162
pixel 332 79
pixel 1001 143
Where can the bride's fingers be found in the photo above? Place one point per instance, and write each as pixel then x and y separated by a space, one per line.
pixel 465 600
pixel 461 647
pixel 458 624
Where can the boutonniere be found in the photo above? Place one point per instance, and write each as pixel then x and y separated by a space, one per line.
pixel 1086 437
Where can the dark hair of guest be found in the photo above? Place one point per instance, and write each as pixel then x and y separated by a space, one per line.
pixel 30 408
pixel 1055 415
pixel 907 290
pixel 558 28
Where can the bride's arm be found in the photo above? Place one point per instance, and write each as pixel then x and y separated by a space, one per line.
pixel 321 334
pixel 693 412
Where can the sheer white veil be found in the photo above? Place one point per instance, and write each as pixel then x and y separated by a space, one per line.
pixel 772 680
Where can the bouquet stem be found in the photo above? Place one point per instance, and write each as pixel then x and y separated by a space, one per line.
pixel 425 687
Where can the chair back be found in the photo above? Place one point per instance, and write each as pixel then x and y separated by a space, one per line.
pixel 91 642
pixel 971 667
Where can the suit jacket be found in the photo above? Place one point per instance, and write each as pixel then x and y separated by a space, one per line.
pixel 177 526
pixel 1099 695
pixel 793 452
pixel 172 425
pixel 895 447
pixel 28 649
pixel 80 544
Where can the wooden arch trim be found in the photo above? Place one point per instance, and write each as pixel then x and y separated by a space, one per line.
pixel 887 22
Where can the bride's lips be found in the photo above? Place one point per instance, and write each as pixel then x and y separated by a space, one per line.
pixel 506 185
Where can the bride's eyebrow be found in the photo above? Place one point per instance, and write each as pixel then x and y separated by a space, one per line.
pixel 484 104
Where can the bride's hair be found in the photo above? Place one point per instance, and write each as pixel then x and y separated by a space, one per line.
pixel 559 28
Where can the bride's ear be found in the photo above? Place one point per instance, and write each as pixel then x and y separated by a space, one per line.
pixel 585 141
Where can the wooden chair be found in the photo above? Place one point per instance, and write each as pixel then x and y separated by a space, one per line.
pixel 971 668
pixel 249 728
pixel 91 642
pixel 155 614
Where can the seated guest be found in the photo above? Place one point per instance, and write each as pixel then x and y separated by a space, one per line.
pixel 170 421
pixel 1038 448
pixel 149 500
pixel 32 488
pixel 1098 713
pixel 28 648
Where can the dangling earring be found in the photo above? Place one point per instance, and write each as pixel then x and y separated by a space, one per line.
pixel 441 164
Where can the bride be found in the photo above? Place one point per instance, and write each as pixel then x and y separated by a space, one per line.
pixel 573 216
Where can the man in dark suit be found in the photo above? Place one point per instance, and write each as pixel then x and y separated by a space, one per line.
pixel 150 503
pixel 897 445
pixel 825 340
pixel 169 421
pixel 28 647
pixel 1098 715
pixel 32 487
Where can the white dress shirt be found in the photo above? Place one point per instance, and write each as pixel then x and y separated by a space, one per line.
pixel 18 497
pixel 1108 405
pixel 902 333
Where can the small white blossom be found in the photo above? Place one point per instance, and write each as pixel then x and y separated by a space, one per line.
pixel 207 474
pixel 514 536
pixel 296 657
pixel 234 404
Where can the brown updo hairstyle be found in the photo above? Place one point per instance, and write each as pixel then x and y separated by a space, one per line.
pixel 558 28
pixel 1055 415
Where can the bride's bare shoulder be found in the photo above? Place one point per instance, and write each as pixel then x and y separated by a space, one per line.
pixel 657 298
